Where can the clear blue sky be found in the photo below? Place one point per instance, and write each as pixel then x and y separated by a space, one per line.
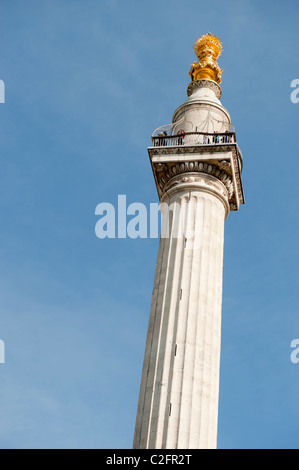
pixel 87 82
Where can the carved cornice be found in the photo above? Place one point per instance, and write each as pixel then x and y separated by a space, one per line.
pixel 204 84
pixel 184 149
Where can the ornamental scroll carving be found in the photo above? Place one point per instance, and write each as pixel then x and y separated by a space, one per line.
pixel 167 175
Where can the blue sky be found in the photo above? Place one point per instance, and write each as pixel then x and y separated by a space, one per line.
pixel 86 84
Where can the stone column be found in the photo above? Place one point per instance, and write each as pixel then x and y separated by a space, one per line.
pixel 178 402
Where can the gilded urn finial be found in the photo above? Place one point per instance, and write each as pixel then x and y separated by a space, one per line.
pixel 207 48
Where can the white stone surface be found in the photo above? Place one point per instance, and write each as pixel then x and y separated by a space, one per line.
pixel 178 403
pixel 202 111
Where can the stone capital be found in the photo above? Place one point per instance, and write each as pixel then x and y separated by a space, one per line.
pixel 204 182
pixel 217 172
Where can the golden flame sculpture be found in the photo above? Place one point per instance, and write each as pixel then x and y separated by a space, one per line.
pixel 207 48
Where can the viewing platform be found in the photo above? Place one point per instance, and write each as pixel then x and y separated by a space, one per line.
pixel 193 138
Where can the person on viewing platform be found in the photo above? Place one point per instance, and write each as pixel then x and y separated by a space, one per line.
pixel 181 134
pixel 162 141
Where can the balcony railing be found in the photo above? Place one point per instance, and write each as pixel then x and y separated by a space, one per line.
pixel 193 138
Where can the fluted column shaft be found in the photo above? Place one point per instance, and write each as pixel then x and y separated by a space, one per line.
pixel 178 402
